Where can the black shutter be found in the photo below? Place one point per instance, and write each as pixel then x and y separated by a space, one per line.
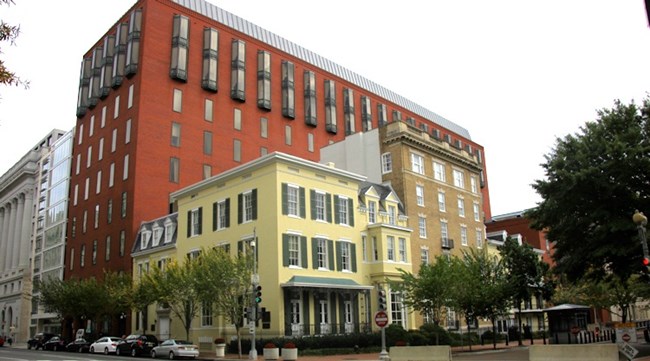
pixel 312 203
pixel 227 213
pixel 351 212
pixel 328 207
pixel 353 256
pixel 285 205
pixel 285 250
pixel 302 202
pixel 337 218
pixel 214 216
pixel 254 203
pixel 314 252
pixel 330 254
pixel 189 224
pixel 200 220
pixel 303 251
pixel 339 259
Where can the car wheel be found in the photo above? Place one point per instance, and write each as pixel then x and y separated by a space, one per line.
pixel 92 350
pixel 153 354
pixel 134 352
pixel 117 352
pixel 29 346
pixel 105 350
pixel 171 355
pixel 80 350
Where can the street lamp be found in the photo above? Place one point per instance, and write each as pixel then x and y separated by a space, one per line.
pixel 641 221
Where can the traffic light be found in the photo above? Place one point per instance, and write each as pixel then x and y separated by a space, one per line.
pixel 381 299
pixel 258 294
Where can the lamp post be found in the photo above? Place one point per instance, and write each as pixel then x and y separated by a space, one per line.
pixel 641 221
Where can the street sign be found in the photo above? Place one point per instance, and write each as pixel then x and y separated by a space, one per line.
pixel 627 350
pixel 381 319
pixel 626 334
pixel 626 337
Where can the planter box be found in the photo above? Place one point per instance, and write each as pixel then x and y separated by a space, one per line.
pixel 271 353
pixel 289 354
pixel 221 350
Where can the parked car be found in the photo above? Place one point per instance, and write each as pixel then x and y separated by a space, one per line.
pixel 56 343
pixel 136 345
pixel 173 349
pixel 81 344
pixel 38 340
pixel 106 345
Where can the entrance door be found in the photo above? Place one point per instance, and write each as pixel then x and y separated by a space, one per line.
pixel 163 328
pixel 296 318
pixel 325 326
pixel 349 316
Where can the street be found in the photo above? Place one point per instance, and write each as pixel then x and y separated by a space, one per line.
pixel 22 354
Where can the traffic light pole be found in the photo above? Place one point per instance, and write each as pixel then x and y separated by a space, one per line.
pixel 255 278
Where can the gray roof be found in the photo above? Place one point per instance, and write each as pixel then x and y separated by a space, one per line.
pixel 212 11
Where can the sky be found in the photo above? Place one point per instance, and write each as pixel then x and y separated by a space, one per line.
pixel 517 74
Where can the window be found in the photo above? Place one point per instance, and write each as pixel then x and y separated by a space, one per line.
pixel 343 210
pixel 473 185
pixel 372 212
pixel 366 114
pixel 397 115
pixel 424 255
pixel 463 235
pixel 375 249
pixel 236 118
pixel 76 194
pixel 441 201
pixel 477 212
pixel 116 110
pixel 309 80
pixel 344 259
pixel 310 142
pixel 133 43
pixel 207 143
pixel 71 259
pixel 194 222
pixel 397 309
pixel 129 101
pixel 392 215
pixel 176 134
pixel 91 127
pixel 322 253
pixel 320 206
pixel 208 110
pixel 82 256
pixel 96 223
pixel 102 122
pixel 293 200
pixel 288 90
pixel 207 171
pixel 386 163
pixel 444 234
pixel 86 188
pixel 287 134
pixel 177 101
pixel 109 211
pixel 81 134
pixel 419 195
pixel 439 172
pixel 236 150
pixel 174 167
pixel 459 178
pixel 125 171
pixel 402 249
pixel 382 114
pixel 123 208
pixel 180 41
pixel 100 151
pixel 114 141
pixel 94 258
pixel 247 208
pixel 210 61
pixel 78 164
pixel 417 163
pixel 295 254
pixel 330 106
pixel 479 238
pixel 206 313
pixel 122 242
pixel 98 185
pixel 127 133
pixel 348 111
pixel 169 231
pixel 264 127
pixel 364 247
pixel 461 207
pixel 89 156
pixel 111 175
pixel 390 248
pixel 263 80
pixel 422 226
pixel 238 70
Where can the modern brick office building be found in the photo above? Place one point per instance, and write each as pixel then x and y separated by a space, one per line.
pixel 177 91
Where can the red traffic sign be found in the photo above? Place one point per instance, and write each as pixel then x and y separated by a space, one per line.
pixel 626 337
pixel 381 319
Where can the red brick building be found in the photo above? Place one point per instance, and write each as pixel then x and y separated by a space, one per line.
pixel 177 91
pixel 516 225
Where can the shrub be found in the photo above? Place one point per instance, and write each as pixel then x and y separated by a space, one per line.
pixel 434 333
pixel 289 345
pixel 219 340
pixel 395 332
pixel 270 345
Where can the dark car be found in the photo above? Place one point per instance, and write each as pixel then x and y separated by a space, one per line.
pixel 55 343
pixel 38 340
pixel 81 344
pixel 136 345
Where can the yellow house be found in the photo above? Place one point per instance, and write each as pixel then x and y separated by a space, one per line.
pixel 326 242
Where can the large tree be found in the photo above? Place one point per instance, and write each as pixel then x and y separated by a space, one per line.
pixel 8 33
pixel 595 179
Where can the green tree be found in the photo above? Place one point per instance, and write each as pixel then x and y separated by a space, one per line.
pixel 594 180
pixel 175 287
pixel 225 282
pixel 9 33
pixel 526 274
pixel 79 299
pixel 427 292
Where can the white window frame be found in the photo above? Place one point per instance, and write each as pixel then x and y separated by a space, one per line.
pixel 439 172
pixel 442 205
pixel 344 217
pixel 247 206
pixel 323 257
pixel 221 214
pixel 320 206
pixel 479 238
pixel 477 211
pixel 293 200
pixel 372 212
pixel 401 243
pixel 473 184
pixel 386 163
pixel 461 207
pixel 417 163
pixel 463 235
pixel 419 195
pixel 424 255
pixel 390 248
pixel 346 257
pixel 293 245
pixel 422 226
pixel 194 222
pixel 459 178
pixel 392 215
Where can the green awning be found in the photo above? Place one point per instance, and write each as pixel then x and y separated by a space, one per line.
pixel 324 282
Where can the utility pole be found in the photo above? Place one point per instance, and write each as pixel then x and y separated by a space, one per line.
pixel 255 280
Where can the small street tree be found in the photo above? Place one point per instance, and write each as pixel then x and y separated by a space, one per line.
pixel 225 282
pixel 9 33
pixel 175 286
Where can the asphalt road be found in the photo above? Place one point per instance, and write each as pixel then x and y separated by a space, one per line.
pixel 21 354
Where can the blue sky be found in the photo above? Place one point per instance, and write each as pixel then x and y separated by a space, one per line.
pixel 517 74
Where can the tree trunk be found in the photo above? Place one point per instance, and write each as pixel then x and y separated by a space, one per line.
pixel 469 337
pixel 519 318
pixel 494 335
pixel 237 328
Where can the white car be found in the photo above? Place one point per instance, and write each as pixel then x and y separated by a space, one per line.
pixel 175 349
pixel 106 345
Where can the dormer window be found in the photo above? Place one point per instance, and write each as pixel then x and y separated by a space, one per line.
pixel 170 227
pixel 144 242
pixel 157 234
